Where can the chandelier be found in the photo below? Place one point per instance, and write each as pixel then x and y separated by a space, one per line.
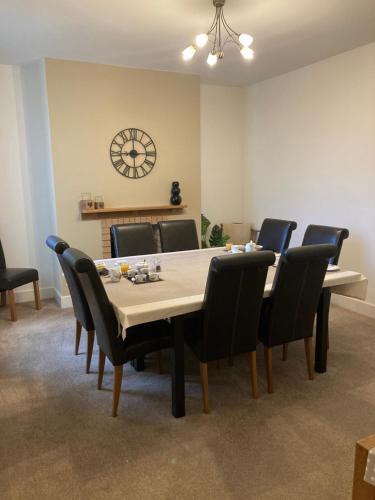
pixel 220 34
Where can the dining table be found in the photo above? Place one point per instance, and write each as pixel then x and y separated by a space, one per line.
pixel 180 293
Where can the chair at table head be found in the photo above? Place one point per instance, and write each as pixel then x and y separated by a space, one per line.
pixel 178 235
pixel 2 257
pixel 275 234
pixel 132 239
pixel 232 305
pixel 105 320
pixel 80 305
pixel 289 313
pixel 315 235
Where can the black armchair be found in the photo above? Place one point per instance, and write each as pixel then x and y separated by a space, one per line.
pixel 80 305
pixel 140 340
pixel 132 239
pixel 316 235
pixel 11 278
pixel 228 323
pixel 288 314
pixel 178 235
pixel 275 234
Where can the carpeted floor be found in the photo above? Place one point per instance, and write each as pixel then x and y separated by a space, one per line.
pixel 58 441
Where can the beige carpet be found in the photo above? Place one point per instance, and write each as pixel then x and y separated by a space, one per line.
pixel 57 440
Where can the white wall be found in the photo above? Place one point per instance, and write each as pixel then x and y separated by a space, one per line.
pixel 310 152
pixel 222 152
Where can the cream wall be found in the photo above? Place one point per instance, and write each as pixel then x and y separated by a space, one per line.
pixel 88 105
pixel 222 152
pixel 310 152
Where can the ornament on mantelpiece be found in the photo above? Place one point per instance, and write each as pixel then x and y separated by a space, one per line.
pixel 175 191
pixel 86 202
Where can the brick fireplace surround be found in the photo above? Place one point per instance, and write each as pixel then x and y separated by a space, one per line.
pixel 129 215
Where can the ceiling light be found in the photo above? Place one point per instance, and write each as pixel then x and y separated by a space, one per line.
pixel 201 40
pixel 212 59
pixel 220 34
pixel 188 52
pixel 247 53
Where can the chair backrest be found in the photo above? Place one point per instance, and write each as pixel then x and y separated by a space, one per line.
pixel 232 304
pixel 2 257
pixel 132 239
pixel 178 235
pixel 80 305
pixel 315 235
pixel 106 324
pixel 289 313
pixel 275 234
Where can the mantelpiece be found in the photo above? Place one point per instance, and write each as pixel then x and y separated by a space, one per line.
pixel 141 211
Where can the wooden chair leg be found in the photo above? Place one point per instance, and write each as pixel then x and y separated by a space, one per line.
pixel 310 370
pixel 38 303
pixel 117 381
pixel 268 358
pixel 285 351
pixel 90 345
pixel 159 362
pixel 12 305
pixel 101 368
pixel 254 375
pixel 3 301
pixel 78 335
pixel 204 382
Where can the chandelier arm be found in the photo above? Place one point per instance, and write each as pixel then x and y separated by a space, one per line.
pixel 213 25
pixel 220 45
pixel 227 27
pixel 216 29
pixel 230 39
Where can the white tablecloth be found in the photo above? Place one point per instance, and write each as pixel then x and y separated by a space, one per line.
pixel 184 276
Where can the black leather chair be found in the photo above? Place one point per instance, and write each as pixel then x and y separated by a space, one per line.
pixel 315 235
pixel 80 305
pixel 11 278
pixel 275 234
pixel 132 239
pixel 178 235
pixel 228 323
pixel 140 340
pixel 288 314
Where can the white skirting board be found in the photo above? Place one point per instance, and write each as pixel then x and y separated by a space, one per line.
pixel 63 301
pixel 355 305
pixel 28 295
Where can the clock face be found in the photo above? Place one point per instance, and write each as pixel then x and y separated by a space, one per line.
pixel 133 153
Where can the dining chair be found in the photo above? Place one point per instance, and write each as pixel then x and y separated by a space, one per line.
pixel 178 235
pixel 288 314
pixel 132 239
pixel 13 277
pixel 315 235
pixel 140 340
pixel 229 320
pixel 275 234
pixel 80 305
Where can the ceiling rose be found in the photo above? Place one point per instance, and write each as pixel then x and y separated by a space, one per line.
pixel 220 34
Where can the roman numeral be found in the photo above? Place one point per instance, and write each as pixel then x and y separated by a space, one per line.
pixel 136 175
pixel 148 163
pixel 148 144
pixel 115 153
pixel 151 153
pixel 126 171
pixel 118 164
pixel 133 134
pixel 123 135
pixel 117 144
pixel 144 170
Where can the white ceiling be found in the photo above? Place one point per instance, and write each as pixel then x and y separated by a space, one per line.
pixel 151 34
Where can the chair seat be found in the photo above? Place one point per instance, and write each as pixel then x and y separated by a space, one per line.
pixel 14 277
pixel 146 338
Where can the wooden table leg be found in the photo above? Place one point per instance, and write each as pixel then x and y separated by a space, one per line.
pixel 12 305
pixel 177 368
pixel 138 364
pixel 322 318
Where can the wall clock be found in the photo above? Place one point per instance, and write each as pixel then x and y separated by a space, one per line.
pixel 133 153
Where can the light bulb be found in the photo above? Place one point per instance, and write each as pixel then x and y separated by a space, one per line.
pixel 247 53
pixel 212 59
pixel 201 40
pixel 188 53
pixel 245 40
